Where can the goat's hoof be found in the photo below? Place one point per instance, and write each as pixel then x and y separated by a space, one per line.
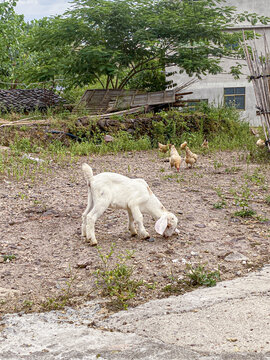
pixel 92 243
pixel 133 235
pixel 145 236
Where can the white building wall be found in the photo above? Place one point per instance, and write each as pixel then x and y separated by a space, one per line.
pixel 211 87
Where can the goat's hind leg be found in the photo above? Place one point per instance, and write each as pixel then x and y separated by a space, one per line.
pixel 86 211
pixel 91 219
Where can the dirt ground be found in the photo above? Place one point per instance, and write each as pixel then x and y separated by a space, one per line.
pixel 40 225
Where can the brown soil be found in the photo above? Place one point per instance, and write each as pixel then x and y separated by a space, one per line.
pixel 40 225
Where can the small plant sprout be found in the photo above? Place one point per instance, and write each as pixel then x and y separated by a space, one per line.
pixel 256 177
pixel 242 199
pixel 267 199
pixel 217 164
pixel 222 202
pixel 232 169
pixel 8 258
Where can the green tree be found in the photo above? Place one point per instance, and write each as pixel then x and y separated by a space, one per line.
pixel 115 41
pixel 12 56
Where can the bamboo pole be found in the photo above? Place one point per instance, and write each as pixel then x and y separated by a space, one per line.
pixel 259 68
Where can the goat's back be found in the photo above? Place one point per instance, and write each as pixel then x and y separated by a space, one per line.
pixel 119 189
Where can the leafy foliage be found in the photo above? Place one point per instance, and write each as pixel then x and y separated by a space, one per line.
pixel 114 42
pixel 12 57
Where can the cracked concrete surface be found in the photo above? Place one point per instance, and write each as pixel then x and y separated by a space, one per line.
pixel 229 321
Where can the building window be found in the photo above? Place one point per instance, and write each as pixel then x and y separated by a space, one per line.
pixel 235 96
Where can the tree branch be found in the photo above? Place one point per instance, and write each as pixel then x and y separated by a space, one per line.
pixel 134 71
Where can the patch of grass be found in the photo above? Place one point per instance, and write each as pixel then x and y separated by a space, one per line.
pixel 199 276
pixel 232 169
pixel 197 175
pixel 261 219
pixel 122 142
pixel 217 164
pixel 115 280
pixel 170 176
pixel 256 177
pixel 194 276
pixel 23 145
pixel 245 213
pixel 14 165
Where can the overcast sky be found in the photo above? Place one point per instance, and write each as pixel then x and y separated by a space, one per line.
pixel 37 9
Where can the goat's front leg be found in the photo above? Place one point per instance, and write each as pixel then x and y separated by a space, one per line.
pixel 138 219
pixel 131 225
pixel 91 219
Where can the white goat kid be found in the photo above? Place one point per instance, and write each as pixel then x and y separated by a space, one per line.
pixel 120 192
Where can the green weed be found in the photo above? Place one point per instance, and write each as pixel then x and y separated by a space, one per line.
pixel 245 213
pixel 8 258
pixel 27 304
pixel 193 277
pixel 232 169
pixel 222 202
pixel 256 177
pixel 115 280
pixel 267 199
pixel 242 199
pixel 217 164
pixel 199 276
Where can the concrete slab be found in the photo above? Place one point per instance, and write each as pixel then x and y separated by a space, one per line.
pixel 228 322
pixel 233 316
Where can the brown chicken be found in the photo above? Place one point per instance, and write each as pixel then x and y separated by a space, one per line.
pixel 163 148
pixel 190 158
pixel 260 143
pixel 175 158
pixel 205 144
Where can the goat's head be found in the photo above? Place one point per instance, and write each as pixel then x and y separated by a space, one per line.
pixel 166 224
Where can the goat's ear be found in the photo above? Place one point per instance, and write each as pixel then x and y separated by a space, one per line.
pixel 161 224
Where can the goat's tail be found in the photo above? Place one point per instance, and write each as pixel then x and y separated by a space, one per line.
pixel 88 173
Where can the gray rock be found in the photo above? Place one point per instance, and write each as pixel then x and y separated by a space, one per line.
pixel 7 293
pixel 236 257
pixel 201 226
pixel 108 138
